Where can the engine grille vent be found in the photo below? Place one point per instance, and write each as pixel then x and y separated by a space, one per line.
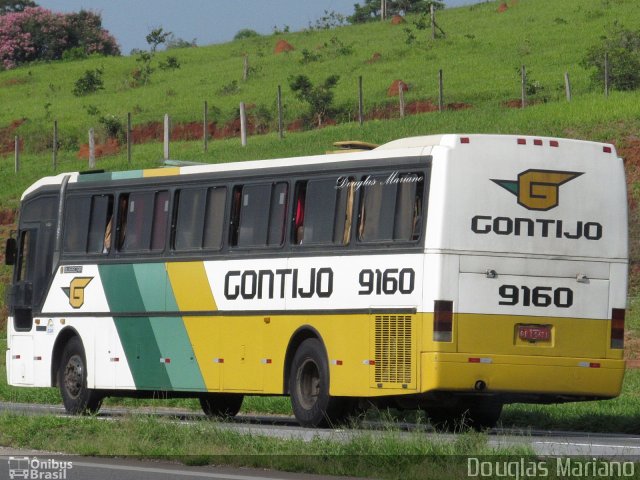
pixel 393 349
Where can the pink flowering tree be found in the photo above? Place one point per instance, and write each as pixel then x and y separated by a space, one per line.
pixel 40 34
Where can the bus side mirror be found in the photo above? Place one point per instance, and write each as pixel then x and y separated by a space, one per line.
pixel 10 251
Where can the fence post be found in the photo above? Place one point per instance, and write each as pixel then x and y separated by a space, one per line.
pixel 567 86
pixel 383 10
pixel 432 11
pixel 167 136
pixel 243 124
pixel 92 149
pixel 245 68
pixel 360 102
pixel 129 138
pixel 401 98
pixel 55 145
pixel 17 154
pixel 280 122
pixel 440 91
pixel 606 74
pixel 523 75
pixel 205 127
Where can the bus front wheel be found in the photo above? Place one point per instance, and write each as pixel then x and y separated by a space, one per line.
pixel 72 380
pixel 221 404
pixel 309 387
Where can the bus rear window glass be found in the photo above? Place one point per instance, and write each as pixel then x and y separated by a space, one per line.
pixel 76 224
pixel 391 208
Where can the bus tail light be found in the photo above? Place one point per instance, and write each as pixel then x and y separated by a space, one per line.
pixel 617 327
pixel 442 320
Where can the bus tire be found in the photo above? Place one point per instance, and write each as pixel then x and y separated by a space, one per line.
pixel 221 404
pixel 309 387
pixel 72 380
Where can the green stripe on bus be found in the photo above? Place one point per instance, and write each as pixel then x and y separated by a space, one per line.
pixel 151 279
pixel 95 177
pixel 180 360
pixel 136 334
pixel 127 175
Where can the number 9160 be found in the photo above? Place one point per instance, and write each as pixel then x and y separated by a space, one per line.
pixel 537 296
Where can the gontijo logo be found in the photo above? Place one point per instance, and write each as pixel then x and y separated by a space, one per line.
pixel 538 189
pixel 75 291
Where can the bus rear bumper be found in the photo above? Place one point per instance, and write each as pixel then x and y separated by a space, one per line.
pixel 516 374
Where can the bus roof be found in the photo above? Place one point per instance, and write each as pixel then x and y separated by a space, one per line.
pixel 405 147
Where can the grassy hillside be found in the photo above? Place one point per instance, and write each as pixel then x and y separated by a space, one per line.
pixel 480 56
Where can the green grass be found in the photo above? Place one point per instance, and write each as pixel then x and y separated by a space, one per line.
pixel 390 455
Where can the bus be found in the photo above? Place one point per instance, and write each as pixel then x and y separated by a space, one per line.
pixel 450 273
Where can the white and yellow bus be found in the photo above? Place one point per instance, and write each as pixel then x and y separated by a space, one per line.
pixel 454 273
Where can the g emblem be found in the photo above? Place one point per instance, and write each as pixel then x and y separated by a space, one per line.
pixel 75 291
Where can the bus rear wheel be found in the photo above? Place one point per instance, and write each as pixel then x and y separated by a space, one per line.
pixel 72 380
pixel 309 388
pixel 221 404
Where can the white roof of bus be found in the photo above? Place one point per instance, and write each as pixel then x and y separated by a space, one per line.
pixel 411 146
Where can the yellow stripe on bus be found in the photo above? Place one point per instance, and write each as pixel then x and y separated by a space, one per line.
pixel 161 172
pixel 192 293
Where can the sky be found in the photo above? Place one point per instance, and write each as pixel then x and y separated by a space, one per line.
pixel 207 21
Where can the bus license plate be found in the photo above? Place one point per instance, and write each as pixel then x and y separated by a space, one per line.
pixel 534 333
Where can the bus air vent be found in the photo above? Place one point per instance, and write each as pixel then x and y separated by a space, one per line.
pixel 393 348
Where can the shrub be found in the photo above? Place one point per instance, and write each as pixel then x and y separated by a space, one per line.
pixel 90 82
pixel 623 48
pixel 169 63
pixel 319 98
pixel 245 33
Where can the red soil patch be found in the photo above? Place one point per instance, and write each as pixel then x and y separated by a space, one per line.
pixel 394 88
pixel 13 81
pixel 397 20
pixel 7 217
pixel 412 108
pixel 111 147
pixel 283 46
pixel 503 7
pixel 7 137
pixel 374 58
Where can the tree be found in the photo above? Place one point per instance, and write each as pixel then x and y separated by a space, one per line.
pixel 156 37
pixel 623 49
pixel 370 10
pixel 40 34
pixel 8 6
pixel 245 33
pixel 318 97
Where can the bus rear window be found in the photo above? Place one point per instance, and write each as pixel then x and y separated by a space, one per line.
pixel 391 208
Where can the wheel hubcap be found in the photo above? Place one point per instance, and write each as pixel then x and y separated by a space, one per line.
pixel 73 376
pixel 308 384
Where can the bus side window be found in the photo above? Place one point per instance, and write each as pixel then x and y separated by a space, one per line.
pixel 160 218
pixel 323 211
pixel 214 218
pixel 76 224
pixel 391 208
pixel 121 231
pixel 258 215
pixel 100 224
